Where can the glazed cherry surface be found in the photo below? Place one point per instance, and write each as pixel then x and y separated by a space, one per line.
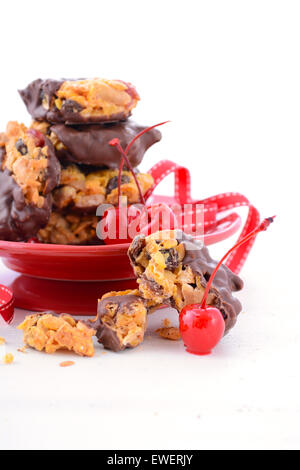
pixel 201 328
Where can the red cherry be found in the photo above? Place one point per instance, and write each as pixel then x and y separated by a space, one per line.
pixel 39 138
pixel 33 240
pixel 201 328
pixel 157 217
pixel 117 222
pixel 122 224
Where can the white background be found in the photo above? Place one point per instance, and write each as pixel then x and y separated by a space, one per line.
pixel 226 73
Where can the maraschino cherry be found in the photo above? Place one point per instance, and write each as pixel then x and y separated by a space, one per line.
pixel 203 326
pixel 115 226
pixel 38 137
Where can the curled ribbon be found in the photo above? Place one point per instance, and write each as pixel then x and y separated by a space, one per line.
pixel 7 303
pixel 213 206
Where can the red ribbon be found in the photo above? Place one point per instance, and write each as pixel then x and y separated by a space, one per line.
pixel 7 303
pixel 213 206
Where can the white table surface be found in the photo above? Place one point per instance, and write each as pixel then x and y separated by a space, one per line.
pixel 244 395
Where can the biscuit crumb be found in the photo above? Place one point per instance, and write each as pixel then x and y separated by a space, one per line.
pixel 23 349
pixel 67 364
pixel 2 341
pixel 166 323
pixel 8 358
pixel 169 332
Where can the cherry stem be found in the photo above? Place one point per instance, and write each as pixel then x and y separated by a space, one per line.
pixel 142 133
pixel 261 227
pixel 116 143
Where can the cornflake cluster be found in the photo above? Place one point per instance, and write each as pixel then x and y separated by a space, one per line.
pixel 56 172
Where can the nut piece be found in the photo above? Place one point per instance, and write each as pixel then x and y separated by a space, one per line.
pixel 122 320
pixel 51 332
pixel 8 358
pixel 67 364
pixel 169 332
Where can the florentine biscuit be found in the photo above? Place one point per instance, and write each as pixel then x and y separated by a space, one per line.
pixel 79 101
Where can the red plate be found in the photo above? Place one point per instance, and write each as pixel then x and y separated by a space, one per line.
pixel 45 268
pixel 88 263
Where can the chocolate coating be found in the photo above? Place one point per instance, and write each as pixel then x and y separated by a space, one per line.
pixel 224 283
pixel 90 144
pixel 19 220
pixel 53 168
pixel 69 113
pixel 105 334
pixel 34 94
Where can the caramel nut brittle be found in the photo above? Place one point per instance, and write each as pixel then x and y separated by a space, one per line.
pixel 50 333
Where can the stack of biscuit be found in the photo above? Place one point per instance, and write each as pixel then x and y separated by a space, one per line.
pixel 54 174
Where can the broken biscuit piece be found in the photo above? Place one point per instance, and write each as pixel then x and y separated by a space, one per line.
pixel 174 268
pixel 29 171
pixel 122 320
pixel 30 158
pixel 51 333
pixel 8 359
